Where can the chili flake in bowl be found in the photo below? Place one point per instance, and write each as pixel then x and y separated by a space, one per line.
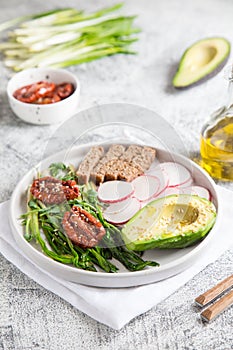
pixel 44 95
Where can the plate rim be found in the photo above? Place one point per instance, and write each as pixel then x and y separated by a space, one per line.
pixel 99 274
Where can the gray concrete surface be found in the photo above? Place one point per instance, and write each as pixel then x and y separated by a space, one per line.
pixel 33 318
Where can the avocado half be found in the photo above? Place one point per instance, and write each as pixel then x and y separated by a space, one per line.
pixel 201 61
pixel 175 221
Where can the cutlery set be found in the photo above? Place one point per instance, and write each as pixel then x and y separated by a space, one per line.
pixel 216 300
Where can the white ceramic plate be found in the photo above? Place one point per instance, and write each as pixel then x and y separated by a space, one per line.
pixel 171 261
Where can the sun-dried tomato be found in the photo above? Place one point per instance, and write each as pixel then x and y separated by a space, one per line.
pixel 51 98
pixel 26 94
pixel 82 228
pixel 53 191
pixel 64 90
pixel 44 88
pixel 44 92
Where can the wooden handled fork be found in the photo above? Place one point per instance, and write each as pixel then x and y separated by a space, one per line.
pixel 221 297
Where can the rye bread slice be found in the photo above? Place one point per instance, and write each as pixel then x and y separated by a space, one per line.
pixel 98 173
pixel 122 170
pixel 88 163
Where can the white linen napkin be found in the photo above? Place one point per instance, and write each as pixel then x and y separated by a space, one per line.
pixel 116 307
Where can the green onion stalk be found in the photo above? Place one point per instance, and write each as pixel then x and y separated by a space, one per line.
pixel 44 224
pixel 66 37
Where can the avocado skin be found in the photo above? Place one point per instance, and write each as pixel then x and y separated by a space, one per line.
pixel 189 239
pixel 179 241
pixel 210 74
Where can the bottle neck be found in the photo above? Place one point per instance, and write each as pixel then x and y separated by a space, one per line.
pixel 229 102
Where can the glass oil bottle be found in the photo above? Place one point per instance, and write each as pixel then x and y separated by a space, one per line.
pixel 217 141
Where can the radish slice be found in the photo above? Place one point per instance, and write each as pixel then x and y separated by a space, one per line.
pixel 153 166
pixel 192 190
pixel 121 217
pixel 177 173
pixel 169 191
pixel 199 191
pixel 161 175
pixel 187 183
pixel 145 187
pixel 115 208
pixel 115 191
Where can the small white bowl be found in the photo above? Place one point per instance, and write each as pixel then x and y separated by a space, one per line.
pixel 48 113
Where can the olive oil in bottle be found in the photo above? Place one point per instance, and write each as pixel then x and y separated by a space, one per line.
pixel 217 142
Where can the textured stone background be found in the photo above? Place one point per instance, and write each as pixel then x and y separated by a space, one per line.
pixel 33 318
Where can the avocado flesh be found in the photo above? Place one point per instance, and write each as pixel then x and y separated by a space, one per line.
pixel 201 61
pixel 175 221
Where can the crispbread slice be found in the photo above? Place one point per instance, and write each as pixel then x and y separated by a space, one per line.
pixel 122 170
pixel 89 162
pixel 98 173
pixel 142 156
